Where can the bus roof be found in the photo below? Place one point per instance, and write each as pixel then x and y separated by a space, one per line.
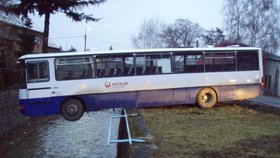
pixel 50 55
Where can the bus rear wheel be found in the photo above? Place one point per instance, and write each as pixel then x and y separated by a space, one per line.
pixel 206 98
pixel 72 109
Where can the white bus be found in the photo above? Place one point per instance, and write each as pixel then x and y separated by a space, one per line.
pixel 72 83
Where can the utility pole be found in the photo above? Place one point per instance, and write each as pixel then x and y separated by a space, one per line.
pixel 85 38
pixel 85 45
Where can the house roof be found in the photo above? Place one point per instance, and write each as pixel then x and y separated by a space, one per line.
pixel 11 19
pixel 227 43
pixel 270 56
pixel 15 20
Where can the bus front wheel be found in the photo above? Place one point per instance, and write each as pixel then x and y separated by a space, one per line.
pixel 72 109
pixel 206 98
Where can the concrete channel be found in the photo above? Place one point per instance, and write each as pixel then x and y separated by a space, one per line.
pixel 86 137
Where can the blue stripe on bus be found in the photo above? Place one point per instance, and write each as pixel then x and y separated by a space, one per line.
pixel 41 106
pixel 94 102
pixel 152 98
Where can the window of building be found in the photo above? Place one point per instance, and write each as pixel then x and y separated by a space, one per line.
pixel 268 81
pixel 37 71
pixel 265 81
pixel 37 39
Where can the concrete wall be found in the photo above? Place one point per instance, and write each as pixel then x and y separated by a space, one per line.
pixel 9 114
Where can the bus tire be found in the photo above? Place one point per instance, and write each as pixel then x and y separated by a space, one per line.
pixel 206 98
pixel 72 109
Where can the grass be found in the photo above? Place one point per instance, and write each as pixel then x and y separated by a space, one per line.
pixel 223 131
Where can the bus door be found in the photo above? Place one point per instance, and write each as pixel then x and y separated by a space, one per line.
pixel 38 79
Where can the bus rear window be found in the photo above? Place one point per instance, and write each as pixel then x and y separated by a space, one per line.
pixel 37 71
pixel 247 61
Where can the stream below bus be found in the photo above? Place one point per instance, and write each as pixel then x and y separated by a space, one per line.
pixel 86 137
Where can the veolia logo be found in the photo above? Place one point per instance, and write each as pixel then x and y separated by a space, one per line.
pixel 115 84
pixel 107 84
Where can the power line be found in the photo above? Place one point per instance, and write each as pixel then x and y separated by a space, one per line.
pixel 67 37
pixel 109 42
pixel 98 39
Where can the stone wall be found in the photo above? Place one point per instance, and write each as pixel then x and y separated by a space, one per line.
pixel 9 114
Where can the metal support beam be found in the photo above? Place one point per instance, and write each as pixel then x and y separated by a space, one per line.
pixel 129 140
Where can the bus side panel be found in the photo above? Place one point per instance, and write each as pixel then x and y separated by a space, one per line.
pixel 238 92
pixel 90 102
pixel 180 96
pixel 192 93
pixel 155 98
pixel 248 91
pixel 117 100
pixel 227 93
pixel 41 106
pixel 185 96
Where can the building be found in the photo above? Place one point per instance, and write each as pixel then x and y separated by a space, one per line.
pixel 15 40
pixel 12 28
pixel 271 74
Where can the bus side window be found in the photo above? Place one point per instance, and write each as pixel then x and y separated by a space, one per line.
pixel 37 71
pixel 151 64
pixel 194 63
pixel 178 64
pixel 220 61
pixel 73 68
pixel 114 65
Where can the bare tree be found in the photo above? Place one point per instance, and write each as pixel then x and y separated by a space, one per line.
pixel 5 3
pixel 183 33
pixel 170 36
pixel 149 34
pixel 234 15
pixel 213 36
pixel 154 34
pixel 253 22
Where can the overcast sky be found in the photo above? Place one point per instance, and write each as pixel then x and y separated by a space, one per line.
pixel 122 18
